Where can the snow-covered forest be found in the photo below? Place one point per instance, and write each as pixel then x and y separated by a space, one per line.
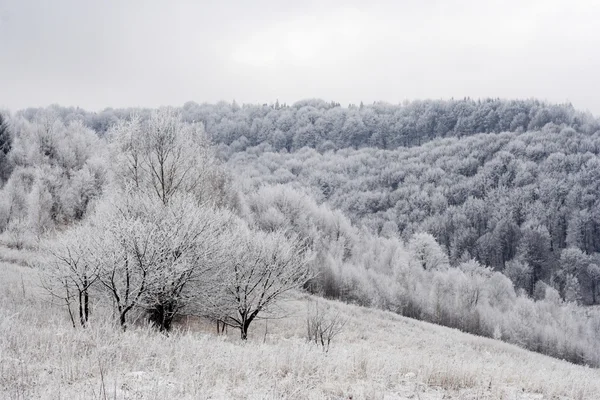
pixel 476 215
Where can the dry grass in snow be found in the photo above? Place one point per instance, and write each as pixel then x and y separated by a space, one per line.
pixel 379 355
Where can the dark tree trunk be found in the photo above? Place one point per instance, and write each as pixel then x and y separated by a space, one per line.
pixel 161 316
pixel 246 321
pixel 86 305
pixel 86 300
pixel 123 320
pixel 244 330
pixel 221 327
pixel 81 312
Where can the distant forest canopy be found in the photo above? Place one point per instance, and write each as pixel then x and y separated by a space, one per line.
pixel 513 201
pixel 328 126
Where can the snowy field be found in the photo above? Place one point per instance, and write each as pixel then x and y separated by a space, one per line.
pixel 378 355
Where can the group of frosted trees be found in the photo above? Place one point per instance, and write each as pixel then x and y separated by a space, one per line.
pixel 166 239
pixel 417 279
pixel 52 173
pixel 513 201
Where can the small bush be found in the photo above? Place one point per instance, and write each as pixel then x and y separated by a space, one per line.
pixel 323 325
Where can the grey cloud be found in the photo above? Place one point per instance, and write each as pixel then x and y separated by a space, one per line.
pixel 128 53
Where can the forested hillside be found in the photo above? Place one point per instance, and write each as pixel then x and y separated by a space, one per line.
pixel 405 208
pixel 522 203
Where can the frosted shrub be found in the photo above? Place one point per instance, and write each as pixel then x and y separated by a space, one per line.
pixel 323 324
pixel 497 333
pixel 19 234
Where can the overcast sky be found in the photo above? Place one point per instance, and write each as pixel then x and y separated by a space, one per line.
pixel 99 53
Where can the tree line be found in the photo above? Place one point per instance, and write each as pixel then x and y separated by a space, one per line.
pixel 329 126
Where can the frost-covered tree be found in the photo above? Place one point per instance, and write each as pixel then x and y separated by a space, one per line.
pixel 71 270
pixel 574 267
pixel 260 269
pixel 520 273
pixel 168 168
pixel 572 289
pixel 427 252
pixel 323 325
pixel 162 156
pixel 153 256
pixel 192 242
pixel 534 249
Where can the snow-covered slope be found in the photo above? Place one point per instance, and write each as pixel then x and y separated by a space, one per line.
pixel 378 355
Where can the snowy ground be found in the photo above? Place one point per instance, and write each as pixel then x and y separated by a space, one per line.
pixel 378 356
